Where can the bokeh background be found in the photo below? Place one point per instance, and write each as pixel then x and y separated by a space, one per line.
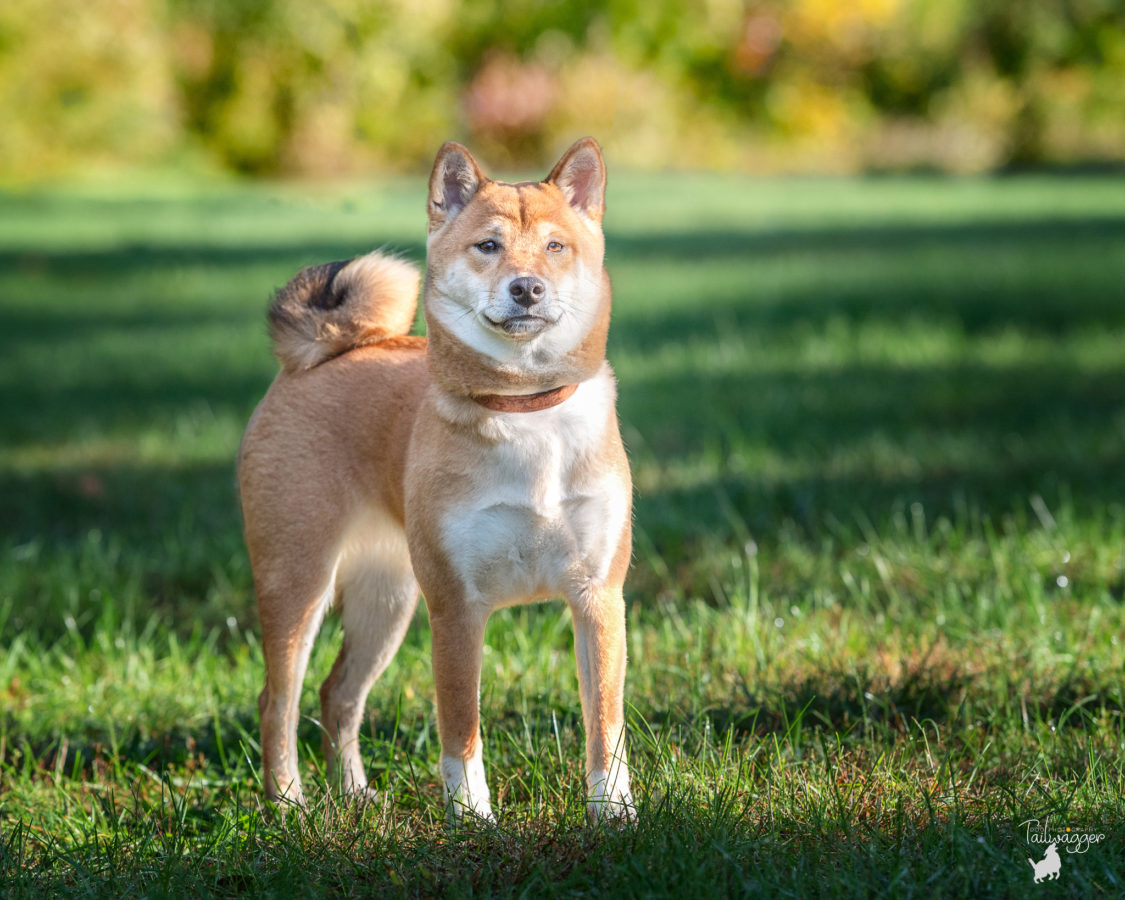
pixel 868 262
pixel 288 87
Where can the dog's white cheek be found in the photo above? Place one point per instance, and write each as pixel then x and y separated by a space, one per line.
pixel 460 290
pixel 461 316
pixel 579 296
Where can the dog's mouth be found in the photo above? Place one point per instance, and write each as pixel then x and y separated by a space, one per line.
pixel 520 326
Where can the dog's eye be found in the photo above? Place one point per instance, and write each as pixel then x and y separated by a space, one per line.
pixel 554 246
pixel 489 246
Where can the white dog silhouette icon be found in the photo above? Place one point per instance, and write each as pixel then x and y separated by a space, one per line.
pixel 1048 866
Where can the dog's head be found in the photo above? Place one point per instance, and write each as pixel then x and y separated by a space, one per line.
pixel 514 271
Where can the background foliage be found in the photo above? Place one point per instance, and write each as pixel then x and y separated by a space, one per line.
pixel 287 86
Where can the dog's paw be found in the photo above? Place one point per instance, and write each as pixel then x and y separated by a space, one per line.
pixel 462 808
pixel 462 814
pixel 620 810
pixel 286 796
pixel 610 798
pixel 466 792
pixel 281 805
pixel 360 795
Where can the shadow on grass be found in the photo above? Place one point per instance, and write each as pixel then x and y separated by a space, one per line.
pixel 968 440
pixel 118 405
pixel 861 704
pixel 966 288
pixel 954 439
pixel 126 259
pixel 963 436
pixel 141 505
pixel 706 245
pixel 712 245
pixel 963 297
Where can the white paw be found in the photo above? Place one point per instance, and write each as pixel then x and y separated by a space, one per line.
pixel 287 794
pixel 360 794
pixel 466 791
pixel 610 797
pixel 350 781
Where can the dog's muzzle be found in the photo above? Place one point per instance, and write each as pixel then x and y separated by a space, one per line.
pixel 525 314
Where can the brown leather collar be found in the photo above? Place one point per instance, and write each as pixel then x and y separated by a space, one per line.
pixel 526 402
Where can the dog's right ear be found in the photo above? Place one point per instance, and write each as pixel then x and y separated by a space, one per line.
pixel 454 180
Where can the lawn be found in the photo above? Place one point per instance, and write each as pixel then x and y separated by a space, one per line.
pixel 876 609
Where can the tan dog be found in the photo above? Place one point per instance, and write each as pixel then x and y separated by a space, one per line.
pixel 485 466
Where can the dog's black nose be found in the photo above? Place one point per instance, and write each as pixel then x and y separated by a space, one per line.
pixel 527 290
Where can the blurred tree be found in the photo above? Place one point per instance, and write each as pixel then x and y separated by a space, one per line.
pixel 287 86
pixel 82 82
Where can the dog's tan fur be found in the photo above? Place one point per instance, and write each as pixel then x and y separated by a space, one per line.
pixel 369 469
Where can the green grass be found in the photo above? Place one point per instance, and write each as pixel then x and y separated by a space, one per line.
pixel 876 611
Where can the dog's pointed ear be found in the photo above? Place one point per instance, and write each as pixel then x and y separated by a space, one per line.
pixel 453 181
pixel 580 175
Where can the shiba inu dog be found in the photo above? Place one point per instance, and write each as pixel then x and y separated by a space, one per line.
pixel 482 464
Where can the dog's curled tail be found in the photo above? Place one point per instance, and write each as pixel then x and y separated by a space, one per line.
pixel 331 309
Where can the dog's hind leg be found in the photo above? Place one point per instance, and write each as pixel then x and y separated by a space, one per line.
pixel 377 602
pixel 291 612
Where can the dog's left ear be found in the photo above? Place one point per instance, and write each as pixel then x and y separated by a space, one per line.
pixel 580 175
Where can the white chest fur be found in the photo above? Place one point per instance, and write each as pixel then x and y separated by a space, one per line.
pixel 544 514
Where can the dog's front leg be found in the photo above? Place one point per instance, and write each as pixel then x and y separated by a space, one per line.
pixel 458 642
pixel 599 647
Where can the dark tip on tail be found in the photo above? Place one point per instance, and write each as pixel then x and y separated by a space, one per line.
pixel 329 309
pixel 313 287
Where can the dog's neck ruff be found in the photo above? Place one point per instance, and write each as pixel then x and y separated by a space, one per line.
pixel 526 402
